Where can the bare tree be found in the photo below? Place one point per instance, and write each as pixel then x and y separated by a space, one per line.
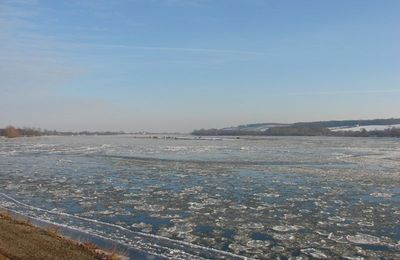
pixel 12 132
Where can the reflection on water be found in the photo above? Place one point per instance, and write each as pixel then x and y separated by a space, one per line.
pixel 289 197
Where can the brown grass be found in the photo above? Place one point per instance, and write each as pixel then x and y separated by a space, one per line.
pixel 21 240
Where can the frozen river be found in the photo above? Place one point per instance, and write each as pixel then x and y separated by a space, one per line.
pixel 292 197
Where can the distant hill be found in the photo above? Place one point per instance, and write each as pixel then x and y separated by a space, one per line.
pixel 372 127
pixel 350 123
pixel 254 127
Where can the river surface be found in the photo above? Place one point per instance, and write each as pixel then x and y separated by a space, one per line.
pixel 287 197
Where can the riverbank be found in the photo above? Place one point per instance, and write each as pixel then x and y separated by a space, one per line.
pixel 21 240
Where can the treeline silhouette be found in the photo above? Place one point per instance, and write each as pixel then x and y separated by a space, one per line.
pixel 341 123
pixel 392 132
pixel 299 131
pixel 311 129
pixel 13 132
pixel 273 131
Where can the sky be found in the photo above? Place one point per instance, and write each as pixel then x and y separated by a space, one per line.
pixel 179 65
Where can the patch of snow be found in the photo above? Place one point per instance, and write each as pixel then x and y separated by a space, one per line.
pixel 366 127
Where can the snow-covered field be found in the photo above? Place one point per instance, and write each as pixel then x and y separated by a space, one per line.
pixel 367 128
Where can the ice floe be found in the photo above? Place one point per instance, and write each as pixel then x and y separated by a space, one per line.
pixel 286 228
pixel 314 253
pixel 363 239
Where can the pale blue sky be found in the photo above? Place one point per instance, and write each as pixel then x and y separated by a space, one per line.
pixel 177 65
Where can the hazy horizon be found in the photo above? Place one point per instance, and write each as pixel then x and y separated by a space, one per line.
pixel 173 131
pixel 176 65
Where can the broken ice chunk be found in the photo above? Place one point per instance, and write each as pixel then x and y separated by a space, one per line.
pixel 286 228
pixel 381 195
pixel 258 244
pixel 363 239
pixel 283 236
pixel 314 253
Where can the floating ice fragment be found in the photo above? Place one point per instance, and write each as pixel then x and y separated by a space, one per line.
pixel 255 225
pixel 195 205
pixel 258 244
pixel 298 199
pixel 360 250
pixel 337 219
pixel 289 216
pixel 286 228
pixel 338 239
pixel 278 248
pixel 238 207
pixel 353 257
pixel 194 190
pixel 237 248
pixel 338 202
pixel 155 208
pixel 143 226
pixel 105 212
pixel 314 253
pixel 211 201
pixel 363 239
pixel 366 223
pixel 260 208
pixel 272 195
pixel 57 210
pixel 283 236
pixel 322 233
pixel 381 195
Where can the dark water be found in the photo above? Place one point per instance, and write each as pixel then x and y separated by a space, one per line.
pixel 289 197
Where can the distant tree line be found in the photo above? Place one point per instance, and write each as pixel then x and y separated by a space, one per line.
pixel 13 132
pixel 327 124
pixel 320 128
pixel 392 132
pixel 298 130
pixel 222 132
pixel 273 131
pixel 340 123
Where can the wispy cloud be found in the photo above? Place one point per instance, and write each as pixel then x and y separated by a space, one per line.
pixel 26 67
pixel 184 2
pixel 341 92
pixel 103 4
pixel 169 49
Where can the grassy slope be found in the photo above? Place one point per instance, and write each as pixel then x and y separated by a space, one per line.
pixel 20 240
